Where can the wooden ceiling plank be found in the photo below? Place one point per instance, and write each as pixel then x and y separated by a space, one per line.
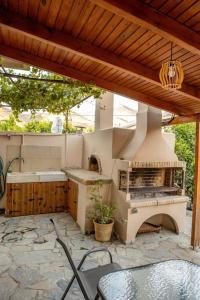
pixel 130 41
pixel 53 13
pixel 108 30
pixel 157 60
pixel 138 44
pixel 137 12
pixel 86 50
pixel 150 47
pixel 181 8
pixel 193 21
pixel 95 24
pixel 73 15
pixel 63 14
pixel 169 5
pixel 119 30
pixel 85 14
pixel 124 36
pixel 43 12
pixel 88 78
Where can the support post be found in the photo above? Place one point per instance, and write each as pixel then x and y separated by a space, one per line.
pixel 195 238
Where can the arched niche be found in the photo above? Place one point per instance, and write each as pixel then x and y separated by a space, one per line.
pixel 94 163
pixel 165 220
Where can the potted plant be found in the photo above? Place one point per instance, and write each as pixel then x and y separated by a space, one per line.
pixel 101 213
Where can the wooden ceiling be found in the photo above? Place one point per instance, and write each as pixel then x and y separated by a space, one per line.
pixel 118 45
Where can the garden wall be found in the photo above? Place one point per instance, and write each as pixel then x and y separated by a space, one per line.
pixel 41 152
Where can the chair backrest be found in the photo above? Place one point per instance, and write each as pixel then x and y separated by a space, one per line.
pixel 75 271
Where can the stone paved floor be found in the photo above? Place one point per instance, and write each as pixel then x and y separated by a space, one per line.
pixel 33 266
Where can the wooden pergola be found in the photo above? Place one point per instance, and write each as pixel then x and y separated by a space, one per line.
pixel 118 45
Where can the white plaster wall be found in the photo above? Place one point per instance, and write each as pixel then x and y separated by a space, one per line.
pixel 74 151
pixel 104 111
pixel 100 143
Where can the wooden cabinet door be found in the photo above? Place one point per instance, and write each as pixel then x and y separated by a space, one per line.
pixel 20 199
pixel 60 196
pixel 50 197
pixel 42 197
pixel 36 198
pixel 72 198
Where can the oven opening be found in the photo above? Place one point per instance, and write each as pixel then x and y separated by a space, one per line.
pixel 94 164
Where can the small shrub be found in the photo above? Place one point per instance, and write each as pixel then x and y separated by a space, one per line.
pixel 101 211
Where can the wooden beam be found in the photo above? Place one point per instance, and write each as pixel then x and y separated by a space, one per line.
pixel 177 120
pixel 42 63
pixel 195 238
pixel 68 43
pixel 140 13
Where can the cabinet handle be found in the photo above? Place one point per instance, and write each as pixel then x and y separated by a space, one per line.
pixel 31 199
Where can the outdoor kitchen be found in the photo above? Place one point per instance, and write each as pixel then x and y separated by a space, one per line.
pixel 142 176
pixel 148 179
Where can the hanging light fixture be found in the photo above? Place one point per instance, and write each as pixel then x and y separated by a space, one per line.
pixel 171 74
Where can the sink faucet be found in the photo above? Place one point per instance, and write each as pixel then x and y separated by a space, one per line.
pixel 11 162
pixel 16 158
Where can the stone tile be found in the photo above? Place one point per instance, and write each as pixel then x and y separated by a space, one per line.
pixel 25 276
pixel 30 235
pixel 7 288
pixel 5 259
pixel 49 245
pixel 36 257
pixel 24 294
pixel 22 257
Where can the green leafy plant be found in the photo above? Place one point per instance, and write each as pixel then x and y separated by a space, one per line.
pixel 185 150
pixel 10 125
pixel 38 126
pixel 101 211
pixel 45 91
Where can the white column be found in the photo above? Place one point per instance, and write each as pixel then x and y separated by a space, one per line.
pixel 104 112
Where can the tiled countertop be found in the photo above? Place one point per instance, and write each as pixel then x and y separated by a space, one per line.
pixel 86 177
pixel 46 176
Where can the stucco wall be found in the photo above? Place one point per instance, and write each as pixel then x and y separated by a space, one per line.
pixel 41 152
pixel 47 152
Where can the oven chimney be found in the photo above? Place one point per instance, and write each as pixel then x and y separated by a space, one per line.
pixel 148 143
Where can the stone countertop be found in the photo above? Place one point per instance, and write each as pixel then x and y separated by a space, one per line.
pixel 40 176
pixel 86 177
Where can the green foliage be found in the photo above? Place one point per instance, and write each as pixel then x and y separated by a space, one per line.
pixel 38 126
pixel 23 95
pixel 10 124
pixel 71 128
pixel 185 150
pixel 101 212
pixel 33 126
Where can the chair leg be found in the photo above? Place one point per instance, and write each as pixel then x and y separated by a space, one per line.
pixel 67 288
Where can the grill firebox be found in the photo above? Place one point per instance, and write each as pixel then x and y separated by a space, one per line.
pixel 152 182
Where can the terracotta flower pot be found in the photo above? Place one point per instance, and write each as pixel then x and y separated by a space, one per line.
pixel 103 231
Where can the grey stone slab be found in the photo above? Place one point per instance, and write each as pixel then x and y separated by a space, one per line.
pixel 48 260
pixel 157 254
pixel 36 257
pixel 5 259
pixel 25 276
pixel 24 294
pixel 7 288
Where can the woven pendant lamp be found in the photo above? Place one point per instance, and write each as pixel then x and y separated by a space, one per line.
pixel 171 74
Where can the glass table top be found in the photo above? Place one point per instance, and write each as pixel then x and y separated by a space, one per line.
pixel 169 280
